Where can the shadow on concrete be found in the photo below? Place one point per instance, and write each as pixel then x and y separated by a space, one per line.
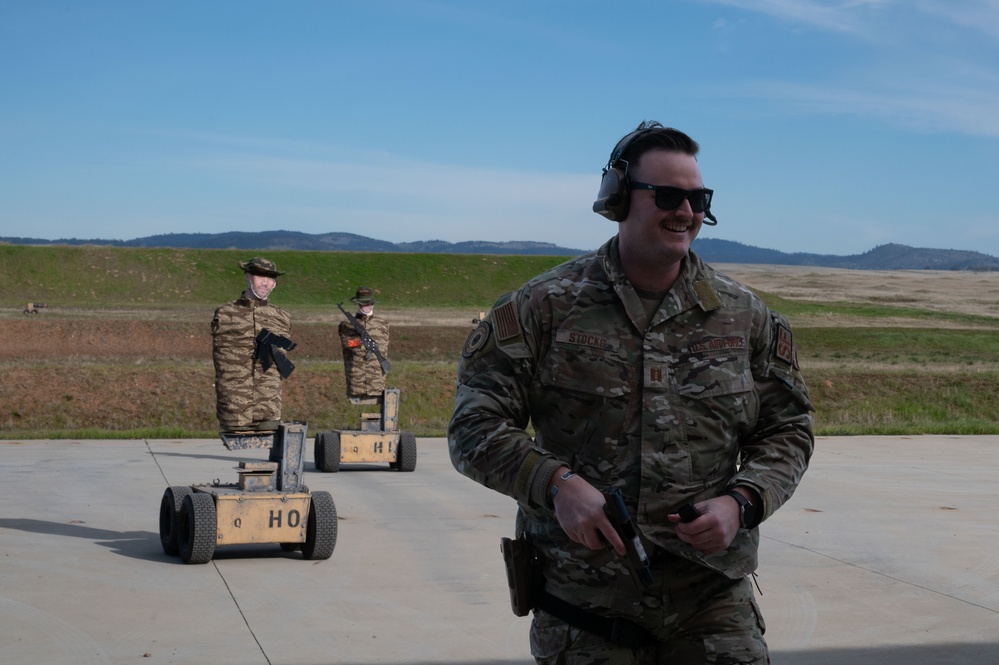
pixel 520 661
pixel 236 459
pixel 986 653
pixel 357 466
pixel 143 545
pixel 926 654
pixel 134 544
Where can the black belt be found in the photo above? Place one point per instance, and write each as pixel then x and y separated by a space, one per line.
pixel 617 630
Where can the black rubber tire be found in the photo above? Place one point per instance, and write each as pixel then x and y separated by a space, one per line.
pixel 331 452
pixel 327 451
pixel 319 450
pixel 407 452
pixel 321 529
pixel 198 528
pixel 173 499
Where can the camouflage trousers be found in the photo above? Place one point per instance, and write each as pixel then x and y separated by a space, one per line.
pixel 695 615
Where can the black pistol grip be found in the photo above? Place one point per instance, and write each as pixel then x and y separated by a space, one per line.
pixel 688 513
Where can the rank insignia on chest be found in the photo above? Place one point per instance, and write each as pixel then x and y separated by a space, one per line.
pixel 656 375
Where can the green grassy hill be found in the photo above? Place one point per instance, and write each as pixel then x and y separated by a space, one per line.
pixel 112 277
pixel 124 350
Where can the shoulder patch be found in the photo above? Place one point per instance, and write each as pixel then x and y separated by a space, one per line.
pixel 785 345
pixel 707 294
pixel 505 318
pixel 476 339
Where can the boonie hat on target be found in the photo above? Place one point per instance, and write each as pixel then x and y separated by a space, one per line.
pixel 260 266
pixel 364 296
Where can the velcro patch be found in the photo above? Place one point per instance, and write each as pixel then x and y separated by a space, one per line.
pixel 656 375
pixel 505 319
pixel 717 344
pixel 585 338
pixel 476 339
pixel 785 345
pixel 709 297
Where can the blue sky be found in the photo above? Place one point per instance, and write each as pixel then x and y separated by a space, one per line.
pixel 828 127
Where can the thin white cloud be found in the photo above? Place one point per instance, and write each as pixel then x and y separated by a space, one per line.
pixel 874 18
pixel 830 16
pixel 976 15
pixel 929 64
pixel 389 177
pixel 933 108
pixel 390 197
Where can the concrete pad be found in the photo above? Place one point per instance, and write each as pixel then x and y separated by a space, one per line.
pixel 884 555
pixel 887 553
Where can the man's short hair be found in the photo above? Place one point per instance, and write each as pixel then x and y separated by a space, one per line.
pixel 658 138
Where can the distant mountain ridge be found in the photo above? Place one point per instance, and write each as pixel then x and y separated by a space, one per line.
pixel 891 256
pixel 883 257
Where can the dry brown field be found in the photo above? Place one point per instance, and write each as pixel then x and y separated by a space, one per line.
pixel 78 369
pixel 975 293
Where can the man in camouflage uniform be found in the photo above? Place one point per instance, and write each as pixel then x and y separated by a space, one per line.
pixel 365 378
pixel 248 395
pixel 641 369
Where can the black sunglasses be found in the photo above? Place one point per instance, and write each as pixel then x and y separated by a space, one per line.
pixel 670 198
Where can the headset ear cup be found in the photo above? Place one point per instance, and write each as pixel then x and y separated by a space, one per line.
pixel 613 197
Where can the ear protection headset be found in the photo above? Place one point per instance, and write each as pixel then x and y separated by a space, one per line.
pixel 614 195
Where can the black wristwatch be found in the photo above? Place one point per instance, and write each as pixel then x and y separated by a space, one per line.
pixel 565 476
pixel 747 511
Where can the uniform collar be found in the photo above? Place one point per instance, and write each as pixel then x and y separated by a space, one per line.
pixel 247 300
pixel 693 287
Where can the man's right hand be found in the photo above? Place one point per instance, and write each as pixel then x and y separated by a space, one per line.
pixel 579 508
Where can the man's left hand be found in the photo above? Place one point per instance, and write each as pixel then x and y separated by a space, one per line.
pixel 715 529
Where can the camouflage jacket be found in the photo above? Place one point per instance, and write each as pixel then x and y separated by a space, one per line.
pixel 246 396
pixel 705 396
pixel 364 375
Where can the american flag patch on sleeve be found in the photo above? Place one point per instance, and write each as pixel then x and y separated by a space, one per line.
pixel 505 321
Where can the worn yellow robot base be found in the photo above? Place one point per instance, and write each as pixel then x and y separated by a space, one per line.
pixel 378 441
pixel 197 519
pixel 269 504
pixel 257 517
pixel 397 449
pixel 369 447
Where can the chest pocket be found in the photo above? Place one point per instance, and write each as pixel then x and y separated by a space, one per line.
pixel 589 370
pixel 719 403
pixel 582 402
pixel 713 376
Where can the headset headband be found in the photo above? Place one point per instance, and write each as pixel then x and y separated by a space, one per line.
pixel 614 196
pixel 623 145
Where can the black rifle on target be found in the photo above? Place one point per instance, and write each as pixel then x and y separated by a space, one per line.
pixel 369 344
pixel 267 351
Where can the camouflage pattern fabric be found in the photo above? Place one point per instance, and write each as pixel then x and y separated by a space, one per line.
pixel 364 375
pixel 247 398
pixel 696 616
pixel 704 395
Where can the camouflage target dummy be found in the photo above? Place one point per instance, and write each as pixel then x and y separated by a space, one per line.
pixel 639 369
pixel 363 369
pixel 250 337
